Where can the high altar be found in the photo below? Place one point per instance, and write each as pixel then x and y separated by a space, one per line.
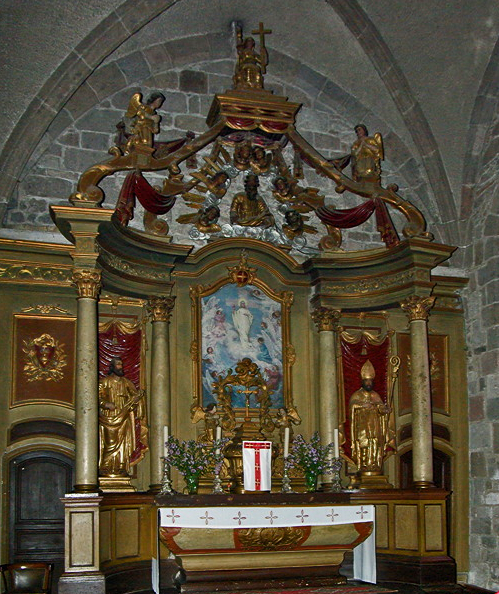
pixel 218 293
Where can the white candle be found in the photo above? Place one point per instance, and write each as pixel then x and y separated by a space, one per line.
pixel 165 439
pixel 218 437
pixel 336 444
pixel 286 442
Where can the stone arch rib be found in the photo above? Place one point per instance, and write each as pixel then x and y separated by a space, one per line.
pixel 369 38
pixel 479 134
pixel 116 28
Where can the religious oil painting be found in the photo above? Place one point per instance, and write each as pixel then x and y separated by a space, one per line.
pixel 239 322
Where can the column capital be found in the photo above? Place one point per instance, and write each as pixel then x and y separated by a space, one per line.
pixel 160 308
pixel 417 308
pixel 87 282
pixel 326 319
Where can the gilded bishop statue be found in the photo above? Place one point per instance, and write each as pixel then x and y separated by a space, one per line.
pixel 370 429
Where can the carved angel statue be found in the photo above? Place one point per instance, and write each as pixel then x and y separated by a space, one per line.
pixel 286 417
pixel 142 120
pixel 260 161
pixel 250 65
pixel 205 219
pixel 295 225
pixel 287 191
pixel 365 157
pixel 211 420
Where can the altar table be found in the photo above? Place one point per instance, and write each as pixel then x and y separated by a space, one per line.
pixel 270 539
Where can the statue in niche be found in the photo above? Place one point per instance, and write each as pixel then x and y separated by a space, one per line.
pixel 365 156
pixel 205 219
pixel 248 209
pixel 123 432
pixel 369 424
pixel 250 65
pixel 260 161
pixel 142 121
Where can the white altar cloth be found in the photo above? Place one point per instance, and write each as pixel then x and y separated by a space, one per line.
pixel 364 563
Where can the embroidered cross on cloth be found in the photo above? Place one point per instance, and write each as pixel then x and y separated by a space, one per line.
pixel 257 456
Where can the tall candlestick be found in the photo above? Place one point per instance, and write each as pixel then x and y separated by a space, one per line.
pixel 286 442
pixel 218 437
pixel 165 439
pixel 336 444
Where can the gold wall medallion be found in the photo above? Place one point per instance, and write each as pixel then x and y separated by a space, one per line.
pixel 45 359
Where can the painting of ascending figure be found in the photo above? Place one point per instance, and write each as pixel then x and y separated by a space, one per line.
pixel 240 322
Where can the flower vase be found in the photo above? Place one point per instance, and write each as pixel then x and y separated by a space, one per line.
pixel 311 479
pixel 191 483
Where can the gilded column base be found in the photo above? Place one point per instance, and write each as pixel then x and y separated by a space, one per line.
pixel 370 480
pixel 423 484
pixel 84 488
pixel 82 583
pixel 121 484
pixel 154 488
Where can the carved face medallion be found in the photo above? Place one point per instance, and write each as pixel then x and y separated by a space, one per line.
pixel 45 359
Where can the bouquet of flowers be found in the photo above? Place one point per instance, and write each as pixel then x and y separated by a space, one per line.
pixel 313 458
pixel 191 458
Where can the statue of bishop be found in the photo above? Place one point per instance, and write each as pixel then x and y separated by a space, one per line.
pixel 370 429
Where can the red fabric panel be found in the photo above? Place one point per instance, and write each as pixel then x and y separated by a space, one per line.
pixel 352 361
pixel 271 126
pixel 348 217
pixel 126 200
pixel 241 123
pixel 114 343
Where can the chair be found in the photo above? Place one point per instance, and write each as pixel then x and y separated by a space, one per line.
pixel 27 578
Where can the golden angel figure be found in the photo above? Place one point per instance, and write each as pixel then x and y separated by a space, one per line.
pixel 142 119
pixel 205 219
pixel 286 417
pixel 365 157
pixel 210 417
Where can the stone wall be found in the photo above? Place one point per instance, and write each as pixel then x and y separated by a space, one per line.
pixel 482 301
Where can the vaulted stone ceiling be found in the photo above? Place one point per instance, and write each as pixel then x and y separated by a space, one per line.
pixel 415 72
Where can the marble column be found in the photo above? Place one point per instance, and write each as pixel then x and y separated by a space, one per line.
pixel 417 310
pixel 88 284
pixel 160 310
pixel 326 320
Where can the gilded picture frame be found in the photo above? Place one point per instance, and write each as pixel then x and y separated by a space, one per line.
pixel 231 320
